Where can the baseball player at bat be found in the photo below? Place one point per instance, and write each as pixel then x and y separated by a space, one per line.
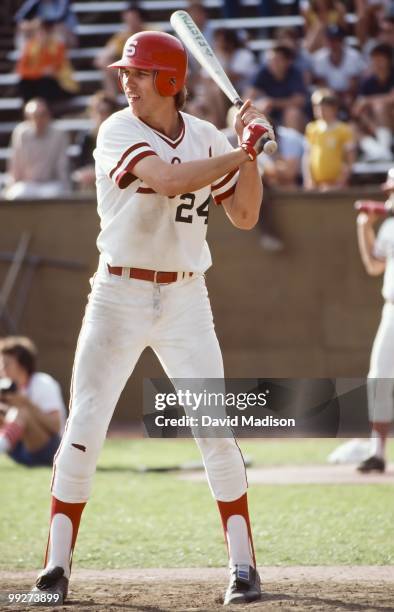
pixel 157 170
pixel 377 254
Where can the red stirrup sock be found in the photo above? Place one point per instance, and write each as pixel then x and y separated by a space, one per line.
pixel 65 519
pixel 237 531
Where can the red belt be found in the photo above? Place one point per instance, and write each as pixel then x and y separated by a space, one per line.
pixel 149 275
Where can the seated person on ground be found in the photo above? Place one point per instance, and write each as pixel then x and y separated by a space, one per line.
pixel 32 412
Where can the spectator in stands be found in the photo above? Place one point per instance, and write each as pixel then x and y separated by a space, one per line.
pixel 374 107
pixel 382 34
pixel 283 169
pixel 329 145
pixel 133 21
pixel 199 14
pixel 237 60
pixel 195 81
pixel 32 411
pixel 368 15
pixel 338 66
pixel 38 167
pixel 266 8
pixel 101 106
pixel 279 86
pixel 385 34
pixel 288 147
pixel 239 64
pixel 318 15
pixel 57 12
pixel 231 9
pixel 289 37
pixel 44 69
pixel 26 30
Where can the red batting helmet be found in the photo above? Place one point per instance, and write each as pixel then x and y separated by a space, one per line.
pixel 160 52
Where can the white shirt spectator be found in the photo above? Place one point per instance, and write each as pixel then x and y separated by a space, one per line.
pixel 39 163
pixel 243 63
pixel 291 143
pixel 338 77
pixel 45 393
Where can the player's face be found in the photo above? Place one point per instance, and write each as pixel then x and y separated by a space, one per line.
pixel 140 91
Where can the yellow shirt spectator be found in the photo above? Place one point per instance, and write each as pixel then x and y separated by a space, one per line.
pixel 327 146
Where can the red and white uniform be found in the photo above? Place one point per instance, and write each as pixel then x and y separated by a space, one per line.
pixel 143 229
pixel 381 371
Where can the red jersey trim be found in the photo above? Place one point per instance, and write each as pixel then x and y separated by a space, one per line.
pixel 126 153
pixel 172 143
pixel 138 158
pixel 226 179
pixel 145 190
pixel 222 196
pixel 125 178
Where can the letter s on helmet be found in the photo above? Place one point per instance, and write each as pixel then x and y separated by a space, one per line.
pixel 160 52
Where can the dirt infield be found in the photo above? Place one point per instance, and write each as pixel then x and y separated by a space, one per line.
pixel 308 474
pixel 313 589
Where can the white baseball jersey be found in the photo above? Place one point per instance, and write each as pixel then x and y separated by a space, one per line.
pixel 384 249
pixel 381 370
pixel 144 229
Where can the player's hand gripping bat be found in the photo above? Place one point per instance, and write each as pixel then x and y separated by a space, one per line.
pixel 194 40
pixel 378 208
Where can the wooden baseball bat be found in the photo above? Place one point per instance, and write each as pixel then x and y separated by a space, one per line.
pixel 195 41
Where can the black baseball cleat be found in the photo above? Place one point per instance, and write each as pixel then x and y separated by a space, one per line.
pixel 52 581
pixel 372 464
pixel 244 585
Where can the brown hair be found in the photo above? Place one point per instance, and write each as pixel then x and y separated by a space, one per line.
pixel 23 349
pixel 180 99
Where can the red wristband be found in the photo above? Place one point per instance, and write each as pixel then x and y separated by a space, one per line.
pixel 249 150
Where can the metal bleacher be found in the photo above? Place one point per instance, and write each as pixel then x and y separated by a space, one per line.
pixel 98 21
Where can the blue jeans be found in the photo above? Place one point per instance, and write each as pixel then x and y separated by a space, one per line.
pixel 43 456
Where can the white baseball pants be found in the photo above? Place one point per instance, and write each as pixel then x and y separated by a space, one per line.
pixel 380 381
pixel 123 316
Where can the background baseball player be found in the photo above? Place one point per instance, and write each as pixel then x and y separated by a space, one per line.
pixel 377 254
pixel 156 169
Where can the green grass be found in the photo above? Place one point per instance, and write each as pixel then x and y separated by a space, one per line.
pixel 155 520
pixel 151 452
